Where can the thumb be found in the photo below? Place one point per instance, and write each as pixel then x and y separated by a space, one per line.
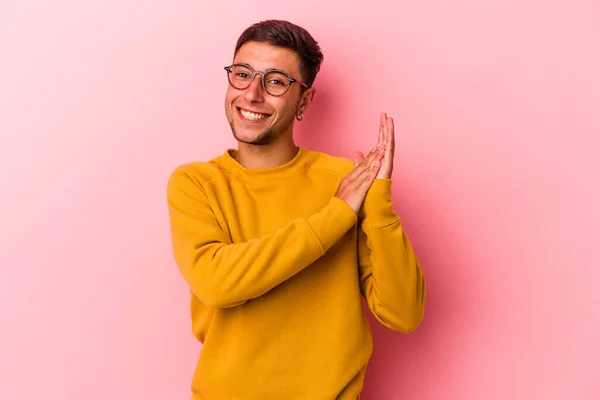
pixel 358 157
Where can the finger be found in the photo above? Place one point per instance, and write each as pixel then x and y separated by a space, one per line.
pixel 375 154
pixel 383 124
pixel 391 133
pixel 367 178
pixel 358 158
pixel 370 176
pixel 387 130
pixel 389 150
pixel 380 135
pixel 360 163
pixel 368 166
pixel 385 138
pixel 365 166
pixel 372 154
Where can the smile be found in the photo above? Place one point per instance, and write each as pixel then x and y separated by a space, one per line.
pixel 252 116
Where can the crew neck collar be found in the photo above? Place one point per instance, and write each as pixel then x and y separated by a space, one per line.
pixel 230 163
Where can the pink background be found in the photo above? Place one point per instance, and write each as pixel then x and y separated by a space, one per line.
pixel 496 109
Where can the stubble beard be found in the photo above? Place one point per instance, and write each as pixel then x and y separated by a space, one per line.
pixel 268 135
pixel 262 139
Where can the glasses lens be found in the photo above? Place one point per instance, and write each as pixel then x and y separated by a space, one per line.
pixel 277 83
pixel 240 77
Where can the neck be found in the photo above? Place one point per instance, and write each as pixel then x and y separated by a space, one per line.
pixel 269 155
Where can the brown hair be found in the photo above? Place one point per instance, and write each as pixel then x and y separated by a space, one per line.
pixel 287 35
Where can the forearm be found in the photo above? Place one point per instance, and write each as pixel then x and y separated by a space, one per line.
pixel 392 280
pixel 224 274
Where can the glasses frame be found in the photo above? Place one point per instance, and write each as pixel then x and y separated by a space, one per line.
pixel 262 78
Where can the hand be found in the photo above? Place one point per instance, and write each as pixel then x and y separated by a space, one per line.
pixel 354 187
pixel 386 139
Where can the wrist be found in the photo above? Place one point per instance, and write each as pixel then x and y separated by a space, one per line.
pixel 377 207
pixel 384 175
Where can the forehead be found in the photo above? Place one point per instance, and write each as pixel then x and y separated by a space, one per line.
pixel 263 56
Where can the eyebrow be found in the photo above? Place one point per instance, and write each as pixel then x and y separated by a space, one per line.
pixel 267 70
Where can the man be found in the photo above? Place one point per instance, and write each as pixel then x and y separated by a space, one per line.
pixel 277 243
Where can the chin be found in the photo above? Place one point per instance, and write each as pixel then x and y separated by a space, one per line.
pixel 260 138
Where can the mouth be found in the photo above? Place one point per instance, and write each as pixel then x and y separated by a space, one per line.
pixel 251 116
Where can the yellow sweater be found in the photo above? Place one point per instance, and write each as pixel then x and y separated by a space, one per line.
pixel 276 267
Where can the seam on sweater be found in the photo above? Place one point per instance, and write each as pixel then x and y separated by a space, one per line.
pixel 196 176
pixel 381 225
pixel 313 235
pixel 330 171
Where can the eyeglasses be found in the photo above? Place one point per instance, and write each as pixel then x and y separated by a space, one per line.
pixel 275 82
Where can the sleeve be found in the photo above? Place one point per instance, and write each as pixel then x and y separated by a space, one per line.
pixel 391 279
pixel 223 274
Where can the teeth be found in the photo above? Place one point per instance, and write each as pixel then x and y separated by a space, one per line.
pixel 252 116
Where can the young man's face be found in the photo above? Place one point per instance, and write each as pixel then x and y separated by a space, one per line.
pixel 276 113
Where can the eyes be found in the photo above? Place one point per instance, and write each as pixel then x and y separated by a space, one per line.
pixel 275 82
pixel 269 80
pixel 273 78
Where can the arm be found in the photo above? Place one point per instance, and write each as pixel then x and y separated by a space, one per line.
pixel 391 279
pixel 224 274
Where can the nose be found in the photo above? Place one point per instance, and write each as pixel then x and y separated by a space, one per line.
pixel 255 92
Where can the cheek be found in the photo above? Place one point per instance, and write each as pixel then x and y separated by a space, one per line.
pixel 284 108
pixel 231 94
pixel 228 98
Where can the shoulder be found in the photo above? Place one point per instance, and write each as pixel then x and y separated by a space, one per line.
pixel 334 165
pixel 193 176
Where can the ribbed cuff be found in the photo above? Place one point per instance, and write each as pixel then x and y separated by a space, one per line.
pixel 332 222
pixel 377 207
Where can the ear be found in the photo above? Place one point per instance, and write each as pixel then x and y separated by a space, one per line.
pixel 306 100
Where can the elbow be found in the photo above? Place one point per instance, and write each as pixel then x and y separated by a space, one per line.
pixel 411 321
pixel 224 303
pixel 214 297
pixel 405 322
pixel 212 290
pixel 219 303
pixel 413 312
pixel 403 318
pixel 402 314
